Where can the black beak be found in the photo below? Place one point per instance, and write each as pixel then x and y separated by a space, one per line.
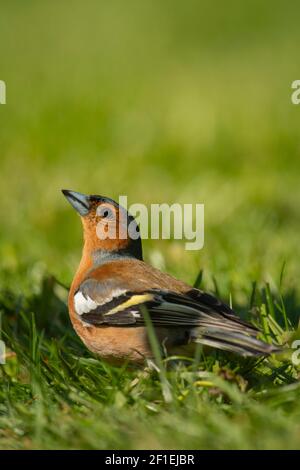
pixel 80 202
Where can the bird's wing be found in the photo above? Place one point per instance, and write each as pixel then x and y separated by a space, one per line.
pixel 116 300
pixel 109 297
pixel 102 304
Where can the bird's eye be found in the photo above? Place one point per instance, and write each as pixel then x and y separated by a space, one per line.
pixel 105 212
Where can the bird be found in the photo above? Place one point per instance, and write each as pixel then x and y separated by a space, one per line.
pixel 114 291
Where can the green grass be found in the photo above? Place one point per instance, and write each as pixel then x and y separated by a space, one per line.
pixel 55 395
pixel 163 102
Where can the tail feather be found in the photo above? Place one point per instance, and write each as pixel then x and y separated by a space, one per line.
pixel 238 342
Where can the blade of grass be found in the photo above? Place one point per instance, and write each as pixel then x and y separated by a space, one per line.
pixel 198 279
pixel 269 299
pixel 166 391
pixel 217 292
pixel 253 294
pixel 265 324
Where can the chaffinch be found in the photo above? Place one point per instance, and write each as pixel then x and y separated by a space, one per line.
pixel 113 286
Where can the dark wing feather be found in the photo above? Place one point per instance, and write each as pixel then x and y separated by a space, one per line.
pixel 166 309
pixel 208 321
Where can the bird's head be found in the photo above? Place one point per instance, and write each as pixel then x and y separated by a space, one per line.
pixel 107 226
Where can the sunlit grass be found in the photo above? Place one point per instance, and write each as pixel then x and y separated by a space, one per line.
pixel 162 102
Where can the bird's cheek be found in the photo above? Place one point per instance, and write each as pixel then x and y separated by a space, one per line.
pixel 106 230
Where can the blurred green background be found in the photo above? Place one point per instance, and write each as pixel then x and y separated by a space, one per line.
pixel 164 102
